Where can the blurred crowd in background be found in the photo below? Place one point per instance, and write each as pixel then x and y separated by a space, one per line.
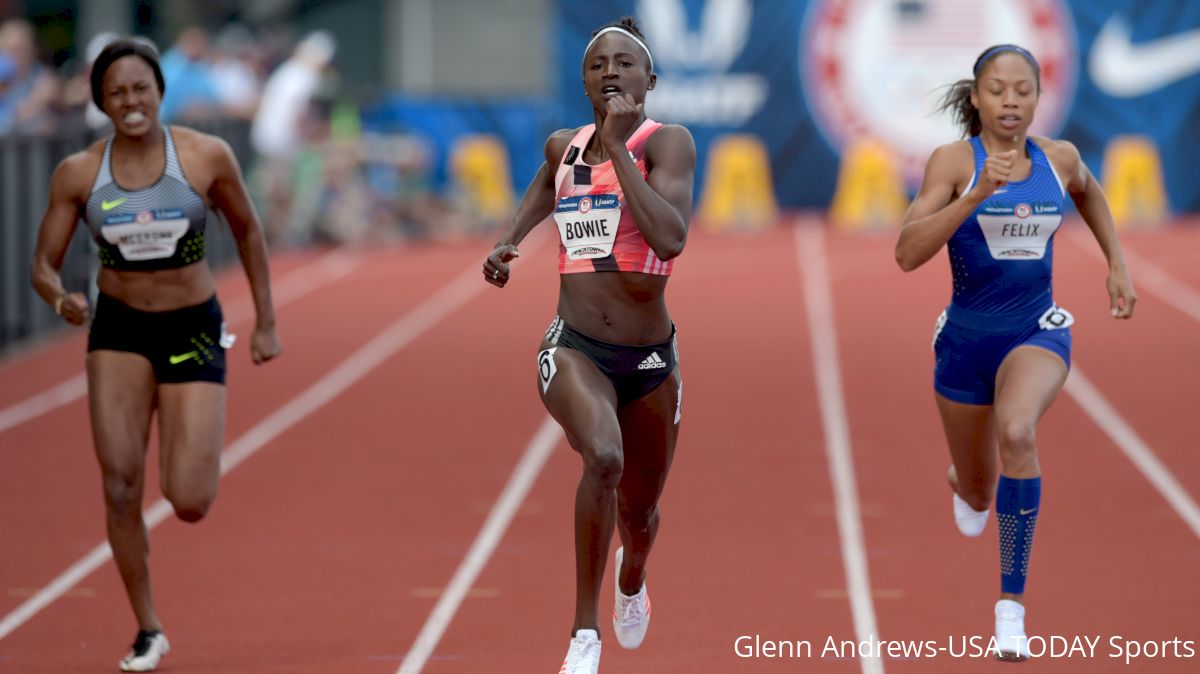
pixel 374 122
pixel 314 174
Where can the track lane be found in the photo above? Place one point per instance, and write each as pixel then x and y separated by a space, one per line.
pixel 329 326
pixel 60 358
pixel 748 545
pixel 292 572
pixel 1106 552
pixel 1149 367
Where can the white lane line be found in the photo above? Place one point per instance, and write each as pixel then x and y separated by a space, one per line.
pixel 810 254
pixel 523 476
pixel 1104 415
pixel 38 404
pixel 368 357
pixel 1149 276
pixel 296 284
pixel 1182 297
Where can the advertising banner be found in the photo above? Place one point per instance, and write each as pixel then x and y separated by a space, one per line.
pixel 808 77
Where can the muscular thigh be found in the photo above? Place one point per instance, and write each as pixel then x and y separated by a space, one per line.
pixel 1028 382
pixel 649 431
pixel 579 397
pixel 191 420
pixel 121 399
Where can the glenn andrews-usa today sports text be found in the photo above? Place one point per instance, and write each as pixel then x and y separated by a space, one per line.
pixel 1083 646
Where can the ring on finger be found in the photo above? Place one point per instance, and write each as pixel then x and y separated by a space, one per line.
pixel 496 274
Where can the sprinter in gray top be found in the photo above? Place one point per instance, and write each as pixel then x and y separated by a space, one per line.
pixel 157 339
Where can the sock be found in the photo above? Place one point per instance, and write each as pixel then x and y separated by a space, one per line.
pixel 1017 503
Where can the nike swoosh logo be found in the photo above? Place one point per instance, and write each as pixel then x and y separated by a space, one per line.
pixel 1026 512
pixel 109 205
pixel 1125 70
pixel 175 360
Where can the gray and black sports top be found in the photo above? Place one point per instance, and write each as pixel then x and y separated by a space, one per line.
pixel 156 227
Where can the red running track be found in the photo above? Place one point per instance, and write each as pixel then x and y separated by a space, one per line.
pixel 329 547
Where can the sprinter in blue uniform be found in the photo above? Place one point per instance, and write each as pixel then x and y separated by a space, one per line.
pixel 1002 346
pixel 157 339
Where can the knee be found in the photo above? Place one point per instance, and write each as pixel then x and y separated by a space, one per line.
pixel 603 466
pixel 1018 442
pixel 191 514
pixel 191 507
pixel 122 492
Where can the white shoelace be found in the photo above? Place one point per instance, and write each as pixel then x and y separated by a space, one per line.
pixel 632 610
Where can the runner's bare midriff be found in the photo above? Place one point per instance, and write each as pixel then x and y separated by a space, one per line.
pixel 617 307
pixel 159 290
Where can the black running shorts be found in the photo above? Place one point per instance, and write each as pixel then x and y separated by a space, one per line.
pixel 634 370
pixel 182 345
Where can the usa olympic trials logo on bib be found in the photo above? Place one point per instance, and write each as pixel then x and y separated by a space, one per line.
pixel 587 225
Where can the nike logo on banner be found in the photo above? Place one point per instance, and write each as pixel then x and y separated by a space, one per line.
pixel 1125 70
pixel 109 205
pixel 175 360
pixel 1025 512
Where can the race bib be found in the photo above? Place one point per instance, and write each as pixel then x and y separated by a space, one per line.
pixel 587 225
pixel 546 367
pixel 146 235
pixel 1056 318
pixel 1019 232
pixel 227 338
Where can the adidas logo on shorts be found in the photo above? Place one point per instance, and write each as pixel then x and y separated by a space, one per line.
pixel 652 362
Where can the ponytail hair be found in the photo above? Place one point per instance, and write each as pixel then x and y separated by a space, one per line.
pixel 957 100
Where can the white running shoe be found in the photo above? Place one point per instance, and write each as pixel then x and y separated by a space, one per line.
pixel 583 657
pixel 147 650
pixel 1011 643
pixel 631 615
pixel 969 520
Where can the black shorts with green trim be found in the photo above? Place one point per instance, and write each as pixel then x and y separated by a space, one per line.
pixel 182 345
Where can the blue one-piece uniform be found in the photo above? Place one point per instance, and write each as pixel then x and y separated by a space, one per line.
pixel 1001 257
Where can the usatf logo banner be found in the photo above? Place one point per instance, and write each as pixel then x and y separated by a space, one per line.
pixel 809 76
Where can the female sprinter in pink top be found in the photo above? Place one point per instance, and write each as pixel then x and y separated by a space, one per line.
pixel 620 191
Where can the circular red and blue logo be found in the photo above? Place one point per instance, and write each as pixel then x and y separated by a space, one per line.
pixel 585 205
pixel 876 69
